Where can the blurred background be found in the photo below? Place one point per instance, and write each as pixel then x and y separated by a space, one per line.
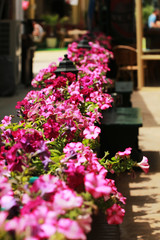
pixel 59 22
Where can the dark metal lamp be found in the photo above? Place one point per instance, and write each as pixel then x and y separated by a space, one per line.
pixel 84 44
pixel 66 65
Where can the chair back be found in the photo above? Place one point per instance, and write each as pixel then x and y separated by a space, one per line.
pixel 76 33
pixel 125 55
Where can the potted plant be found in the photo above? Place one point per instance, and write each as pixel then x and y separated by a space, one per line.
pixel 51 21
pixel 63 21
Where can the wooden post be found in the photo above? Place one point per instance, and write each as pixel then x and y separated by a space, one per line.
pixel 32 9
pixel 139 33
pixel 74 14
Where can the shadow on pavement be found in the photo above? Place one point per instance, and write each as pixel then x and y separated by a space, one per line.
pixel 7 104
pixel 141 220
pixel 148 117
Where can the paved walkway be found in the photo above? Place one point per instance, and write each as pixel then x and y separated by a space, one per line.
pixel 43 58
pixel 142 219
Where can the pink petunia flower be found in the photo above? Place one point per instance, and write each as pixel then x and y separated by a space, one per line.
pixel 85 222
pixel 144 164
pixel 25 5
pixel 67 199
pixel 51 129
pixel 97 185
pixel 70 229
pixel 121 197
pixel 91 132
pixel 115 214
pixel 75 175
pixel 7 202
pixel 127 152
pixel 6 120
pixel 3 217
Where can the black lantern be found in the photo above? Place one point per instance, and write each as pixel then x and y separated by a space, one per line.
pixel 66 65
pixel 91 36
pixel 84 43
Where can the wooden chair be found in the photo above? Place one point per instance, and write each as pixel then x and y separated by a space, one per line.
pixel 126 60
pixel 72 35
pixel 76 33
pixel 64 39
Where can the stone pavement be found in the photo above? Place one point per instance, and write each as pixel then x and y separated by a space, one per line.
pixel 142 218
pixel 41 60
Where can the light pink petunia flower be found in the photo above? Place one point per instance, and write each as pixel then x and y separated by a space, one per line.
pixel 144 164
pixel 97 185
pixel 91 132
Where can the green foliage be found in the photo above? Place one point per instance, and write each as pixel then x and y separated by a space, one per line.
pixel 92 143
pixel 51 20
pixel 64 20
pixel 57 236
pixel 5 236
pixel 117 163
pixel 146 11
pixel 103 205
pixel 73 214
pixel 55 165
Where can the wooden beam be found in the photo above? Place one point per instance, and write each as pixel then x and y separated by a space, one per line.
pixel 150 57
pixel 74 14
pixel 139 35
pixel 32 9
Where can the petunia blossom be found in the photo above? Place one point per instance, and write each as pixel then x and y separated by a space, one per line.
pixel 127 152
pixel 67 199
pixel 25 5
pixel 6 121
pixel 115 214
pixel 97 185
pixel 144 164
pixel 91 132
pixel 70 229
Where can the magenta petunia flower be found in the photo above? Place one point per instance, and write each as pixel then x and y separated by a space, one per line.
pixel 25 5
pixel 6 121
pixel 115 214
pixel 127 152
pixel 51 129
